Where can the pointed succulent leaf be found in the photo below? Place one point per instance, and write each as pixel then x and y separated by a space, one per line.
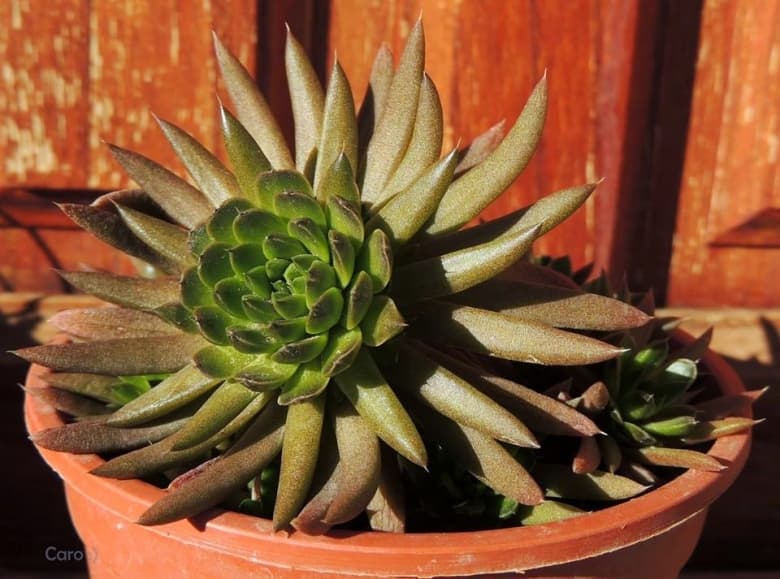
pixel 301 351
pixel 246 158
pixel 552 305
pixel 480 148
pixel 386 510
pixel 394 128
pixel 246 257
pixel 338 179
pixel 540 412
pixel 713 429
pixel 215 264
pixel 111 323
pixel 113 230
pixel 382 322
pixel 165 238
pixel 460 270
pixel 224 404
pixel 320 277
pixel 132 292
pixel 509 338
pixel 220 226
pixel 93 436
pixel 425 145
pixel 359 299
pixel 476 189
pixel 213 323
pixel 270 184
pixel 339 128
pixel 257 308
pixel 456 399
pixel 252 109
pixel 299 457
pixel 293 205
pixel 68 402
pixel 224 475
pixel 342 349
pixel 264 373
pixel 160 457
pixel 346 219
pixel 611 455
pixel 89 385
pixel 365 387
pixel 307 382
pixel 311 236
pixel 677 457
pixel 171 394
pixel 251 340
pixel 229 295
pixel 407 211
pixel 547 512
pixel 210 175
pixel 588 456
pixel 289 307
pixel 128 356
pixel 485 458
pixel 220 362
pixel 325 312
pixel 194 292
pixel 376 259
pixel 180 200
pixel 255 225
pixel 560 482
pixel 675 426
pixel 287 330
pixel 307 100
pixel 343 256
pixel 376 96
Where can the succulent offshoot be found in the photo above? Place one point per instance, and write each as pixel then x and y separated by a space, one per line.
pixel 304 300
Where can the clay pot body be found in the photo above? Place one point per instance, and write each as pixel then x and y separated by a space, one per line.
pixel 650 536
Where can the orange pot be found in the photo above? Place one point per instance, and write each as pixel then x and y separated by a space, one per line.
pixel 650 536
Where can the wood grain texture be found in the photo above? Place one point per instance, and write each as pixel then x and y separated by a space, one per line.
pixel 43 104
pixel 486 56
pixel 731 170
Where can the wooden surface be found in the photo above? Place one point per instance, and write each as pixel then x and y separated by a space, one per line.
pixel 731 169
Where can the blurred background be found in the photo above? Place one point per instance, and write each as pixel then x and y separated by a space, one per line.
pixel 675 103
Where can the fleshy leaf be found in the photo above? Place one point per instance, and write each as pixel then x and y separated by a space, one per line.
pixel 376 96
pixel 338 179
pixel 224 404
pixel 171 394
pixel 246 158
pixel 212 484
pixel 343 254
pixel 252 109
pixel 677 457
pixel 343 346
pixel 376 259
pixel 301 351
pixel 359 299
pixel 165 238
pixel 155 355
pixel 210 175
pixel 713 429
pixel 386 511
pixel 365 387
pixel 554 306
pixel 460 270
pixel 325 312
pixel 394 129
pixel 476 189
pixel 425 145
pixel 382 322
pixel 307 100
pixel 485 458
pixel 480 148
pixel 547 512
pixel 498 335
pixel 307 382
pixel 345 218
pixel 588 456
pixel 111 323
pixel 311 236
pixel 180 200
pixel 132 292
pixel 406 212
pixel 560 482
pixel 299 457
pixel 110 228
pixel 339 128
pixel 456 399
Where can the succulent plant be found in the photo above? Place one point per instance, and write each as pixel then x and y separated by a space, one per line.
pixel 316 307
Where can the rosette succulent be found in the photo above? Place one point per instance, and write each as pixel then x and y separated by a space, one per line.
pixel 308 313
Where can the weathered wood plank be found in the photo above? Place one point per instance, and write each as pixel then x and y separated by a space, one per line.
pixel 43 93
pixel 731 170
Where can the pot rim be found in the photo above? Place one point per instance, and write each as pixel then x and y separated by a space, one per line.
pixel 369 552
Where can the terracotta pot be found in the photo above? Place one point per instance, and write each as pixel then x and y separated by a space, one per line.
pixel 650 536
